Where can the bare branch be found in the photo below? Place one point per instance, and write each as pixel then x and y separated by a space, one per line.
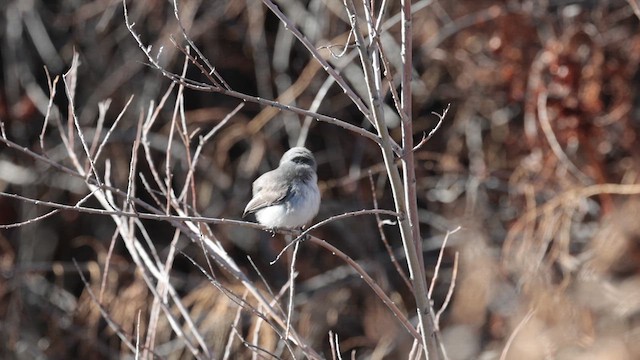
pixel 387 246
pixel 194 85
pixel 312 50
pixel 372 284
pixel 302 235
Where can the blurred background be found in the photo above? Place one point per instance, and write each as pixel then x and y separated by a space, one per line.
pixel 537 161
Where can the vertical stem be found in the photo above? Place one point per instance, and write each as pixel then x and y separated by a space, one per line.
pixel 408 167
pixel 408 164
pixel 424 309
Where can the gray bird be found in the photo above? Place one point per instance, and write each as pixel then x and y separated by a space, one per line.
pixel 288 196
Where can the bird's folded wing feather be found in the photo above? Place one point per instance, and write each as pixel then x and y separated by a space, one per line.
pixel 268 190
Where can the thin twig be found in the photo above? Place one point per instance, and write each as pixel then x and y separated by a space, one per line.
pixel 332 345
pixel 142 215
pixel 372 284
pixel 246 305
pixel 357 100
pixel 521 324
pixel 43 216
pixel 435 128
pixel 179 104
pixel 103 107
pixel 52 94
pixel 162 290
pixel 212 70
pixel 292 281
pixel 335 346
pixel 452 286
pixel 195 85
pixel 152 115
pixel 252 347
pixel 137 354
pixel 234 326
pixel 103 312
pixel 69 79
pixel 111 129
pixel 255 336
pixel 107 263
pixel 341 53
pixel 383 237
pixel 439 261
pixel 262 278
pixel 131 185
pixel 331 219
pixel 202 141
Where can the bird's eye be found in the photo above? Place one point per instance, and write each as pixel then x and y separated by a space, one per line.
pixel 303 160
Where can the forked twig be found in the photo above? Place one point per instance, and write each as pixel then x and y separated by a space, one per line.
pixel 439 261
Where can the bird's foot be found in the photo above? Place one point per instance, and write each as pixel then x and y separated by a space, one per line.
pixel 302 237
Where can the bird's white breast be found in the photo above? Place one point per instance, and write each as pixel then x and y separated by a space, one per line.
pixel 297 211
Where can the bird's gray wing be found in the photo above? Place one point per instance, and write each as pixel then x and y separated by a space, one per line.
pixel 268 190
